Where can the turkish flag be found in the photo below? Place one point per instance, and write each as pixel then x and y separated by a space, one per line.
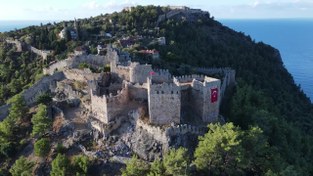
pixel 214 95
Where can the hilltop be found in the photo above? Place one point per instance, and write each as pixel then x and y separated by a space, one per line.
pixel 124 77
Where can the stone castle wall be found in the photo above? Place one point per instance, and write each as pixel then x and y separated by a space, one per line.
pixel 161 75
pixel 164 103
pixel 18 44
pixel 117 104
pixel 58 66
pixel 43 53
pixel 73 62
pixel 66 88
pixel 4 111
pixel 201 98
pixel 196 98
pixel 188 78
pixel 122 71
pixel 81 75
pixel 164 134
pixel 211 109
pixel 95 61
pixel 107 108
pixel 137 92
pixel 98 107
pixel 228 79
pixel 43 85
pixel 139 73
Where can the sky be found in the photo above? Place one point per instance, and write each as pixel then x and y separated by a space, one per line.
pixel 220 9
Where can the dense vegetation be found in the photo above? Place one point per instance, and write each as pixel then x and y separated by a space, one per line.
pixel 272 119
pixel 17 71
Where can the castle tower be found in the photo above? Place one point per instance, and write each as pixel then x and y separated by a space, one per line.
pixel 206 98
pixel 164 101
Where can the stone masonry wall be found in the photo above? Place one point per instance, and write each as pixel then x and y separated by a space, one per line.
pixel 58 66
pixel 95 61
pixel 116 105
pixel 137 92
pixel 42 86
pixel 73 62
pixel 81 75
pixel 211 110
pixel 228 80
pixel 139 73
pixel 122 71
pixel 164 103
pixel 161 75
pixel 18 44
pixel 107 108
pixel 163 134
pixel 4 111
pixel 99 107
pixel 43 53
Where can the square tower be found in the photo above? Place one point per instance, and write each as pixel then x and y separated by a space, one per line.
pixel 206 98
pixel 164 102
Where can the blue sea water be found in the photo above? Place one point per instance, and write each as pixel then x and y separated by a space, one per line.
pixel 6 26
pixel 292 37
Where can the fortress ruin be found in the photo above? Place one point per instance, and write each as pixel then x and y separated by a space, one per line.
pixel 152 100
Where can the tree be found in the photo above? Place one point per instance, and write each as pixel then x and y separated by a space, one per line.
pixel 42 147
pixel 44 99
pixel 81 164
pixel 18 107
pixel 22 167
pixel 219 151
pixel 257 151
pixel 41 123
pixel 5 147
pixel 60 166
pixel 6 127
pixel 176 162
pixel 157 168
pixel 135 167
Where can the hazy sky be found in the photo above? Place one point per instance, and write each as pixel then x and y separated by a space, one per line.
pixel 69 9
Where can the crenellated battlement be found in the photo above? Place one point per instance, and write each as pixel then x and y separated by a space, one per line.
pixel 161 75
pixel 164 102
pixel 189 78
pixel 164 88
pixel 122 67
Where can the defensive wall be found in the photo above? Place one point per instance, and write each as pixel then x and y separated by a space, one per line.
pixel 107 107
pixel 94 61
pixel 164 134
pixel 4 111
pixel 164 101
pixel 43 85
pixel 23 46
pixel 81 75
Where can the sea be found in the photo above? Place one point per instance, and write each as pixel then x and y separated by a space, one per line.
pixel 292 37
pixel 6 25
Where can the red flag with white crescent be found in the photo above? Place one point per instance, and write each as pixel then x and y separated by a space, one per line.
pixel 214 95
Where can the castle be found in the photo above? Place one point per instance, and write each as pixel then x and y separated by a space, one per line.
pixel 168 98
pixel 165 99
